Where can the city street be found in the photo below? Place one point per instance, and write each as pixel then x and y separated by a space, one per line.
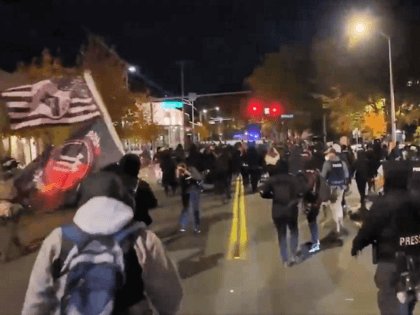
pixel 329 282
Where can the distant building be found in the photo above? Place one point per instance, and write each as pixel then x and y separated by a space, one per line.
pixel 169 118
pixel 24 150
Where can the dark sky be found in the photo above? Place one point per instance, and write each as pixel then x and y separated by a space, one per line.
pixel 222 39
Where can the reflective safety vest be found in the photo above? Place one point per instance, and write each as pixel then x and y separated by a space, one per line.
pixel 336 176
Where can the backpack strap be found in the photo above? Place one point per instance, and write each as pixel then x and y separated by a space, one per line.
pixel 129 234
pixel 71 235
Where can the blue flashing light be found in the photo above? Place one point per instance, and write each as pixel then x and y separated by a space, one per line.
pixel 171 105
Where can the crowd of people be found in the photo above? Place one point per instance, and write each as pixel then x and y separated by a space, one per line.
pixel 111 221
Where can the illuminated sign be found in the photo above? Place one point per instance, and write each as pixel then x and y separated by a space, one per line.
pixel 238 136
pixel 290 116
pixel 171 105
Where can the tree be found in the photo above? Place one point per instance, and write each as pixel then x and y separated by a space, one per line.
pixel 203 131
pixel 109 73
pixel 285 77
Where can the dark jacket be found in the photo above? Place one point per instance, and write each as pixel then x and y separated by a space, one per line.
pixel 361 166
pixel 145 200
pixel 275 188
pixel 391 217
pixel 295 160
pixel 254 159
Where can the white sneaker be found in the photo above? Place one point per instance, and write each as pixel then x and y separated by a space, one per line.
pixel 315 247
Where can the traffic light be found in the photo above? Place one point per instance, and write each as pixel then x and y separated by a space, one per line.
pixel 276 110
pixel 255 108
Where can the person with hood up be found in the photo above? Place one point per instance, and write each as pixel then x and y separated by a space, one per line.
pixel 271 159
pixel 179 154
pixel 223 173
pixel 362 169
pixel 285 190
pixel 392 228
pixel 168 167
pixel 254 167
pixel 105 207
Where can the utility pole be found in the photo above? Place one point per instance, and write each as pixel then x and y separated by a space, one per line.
pixel 182 64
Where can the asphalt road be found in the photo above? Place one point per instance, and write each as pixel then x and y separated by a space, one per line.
pixel 328 282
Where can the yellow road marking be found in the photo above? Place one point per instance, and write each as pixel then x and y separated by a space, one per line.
pixel 238 240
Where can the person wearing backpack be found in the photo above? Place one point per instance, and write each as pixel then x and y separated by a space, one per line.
pixel 104 262
pixel 285 190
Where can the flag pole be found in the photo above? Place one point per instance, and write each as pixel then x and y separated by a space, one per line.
pixel 92 86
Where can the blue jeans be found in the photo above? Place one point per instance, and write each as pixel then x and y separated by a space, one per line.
pixel 194 210
pixel 282 223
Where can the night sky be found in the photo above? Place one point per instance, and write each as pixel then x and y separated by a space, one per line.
pixel 223 39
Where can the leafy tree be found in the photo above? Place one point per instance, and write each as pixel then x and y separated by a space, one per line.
pixel 109 73
pixel 202 130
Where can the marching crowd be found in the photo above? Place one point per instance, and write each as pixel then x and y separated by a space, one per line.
pixel 108 262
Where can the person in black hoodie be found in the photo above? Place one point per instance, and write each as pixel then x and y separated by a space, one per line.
pixel 168 166
pixel 391 227
pixel 223 172
pixel 362 169
pixel 179 154
pixel 285 190
pixel 128 169
pixel 255 163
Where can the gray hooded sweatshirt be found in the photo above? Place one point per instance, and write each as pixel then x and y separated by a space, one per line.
pixel 105 215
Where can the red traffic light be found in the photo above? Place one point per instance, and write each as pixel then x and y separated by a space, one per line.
pixel 276 110
pixel 255 107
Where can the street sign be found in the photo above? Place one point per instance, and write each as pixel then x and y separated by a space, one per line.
pixel 288 116
pixel 171 104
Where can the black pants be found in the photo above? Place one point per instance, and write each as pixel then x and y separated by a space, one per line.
pixel 361 187
pixel 387 299
pixel 223 184
pixel 185 200
pixel 245 176
pixel 255 174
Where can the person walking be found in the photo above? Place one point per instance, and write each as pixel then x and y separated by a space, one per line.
pixel 392 229
pixel 79 266
pixel 285 190
pixel 191 180
pixel 271 159
pixel 336 174
pixel 362 170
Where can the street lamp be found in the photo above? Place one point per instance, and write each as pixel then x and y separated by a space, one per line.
pixel 205 111
pixel 361 26
pixel 132 69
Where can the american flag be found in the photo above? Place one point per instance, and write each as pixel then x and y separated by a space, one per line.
pixel 50 102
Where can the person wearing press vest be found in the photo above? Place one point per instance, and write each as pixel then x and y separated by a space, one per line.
pixel 392 228
pixel 336 174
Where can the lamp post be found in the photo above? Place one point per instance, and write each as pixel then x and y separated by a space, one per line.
pixel 360 27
